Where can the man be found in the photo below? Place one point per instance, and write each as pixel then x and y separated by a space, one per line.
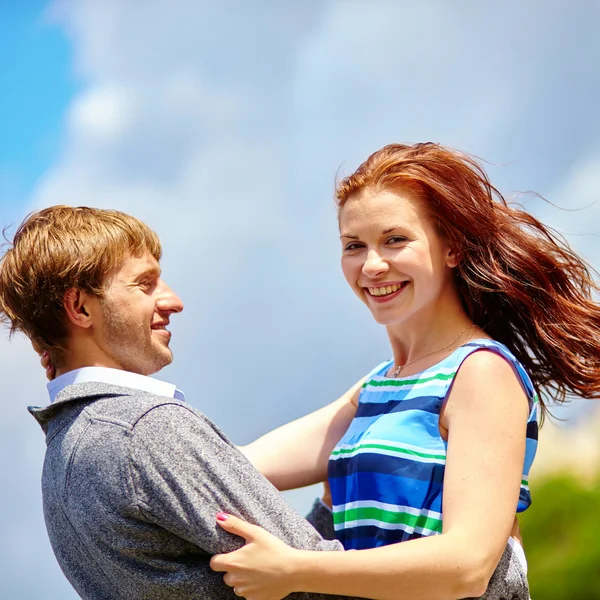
pixel 133 476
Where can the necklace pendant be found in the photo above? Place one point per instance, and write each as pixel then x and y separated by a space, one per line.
pixel 397 371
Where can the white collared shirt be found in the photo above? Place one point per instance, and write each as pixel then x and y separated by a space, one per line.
pixel 114 377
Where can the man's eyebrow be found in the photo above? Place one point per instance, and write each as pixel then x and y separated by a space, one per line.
pixel 150 271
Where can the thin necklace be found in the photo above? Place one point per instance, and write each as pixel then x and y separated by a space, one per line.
pixel 399 368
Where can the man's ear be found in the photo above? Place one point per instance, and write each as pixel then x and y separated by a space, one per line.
pixel 76 305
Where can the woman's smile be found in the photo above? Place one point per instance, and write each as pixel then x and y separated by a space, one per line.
pixel 385 293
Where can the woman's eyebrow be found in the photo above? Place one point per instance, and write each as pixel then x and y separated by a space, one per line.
pixel 384 232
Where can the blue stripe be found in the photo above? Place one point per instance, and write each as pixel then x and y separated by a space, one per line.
pixel 530 449
pixel 382 390
pixel 430 404
pixel 532 430
pixel 391 489
pixel 370 536
pixel 369 463
pixel 524 500
pixel 419 429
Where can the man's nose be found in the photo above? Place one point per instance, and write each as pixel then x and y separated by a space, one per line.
pixel 374 264
pixel 168 300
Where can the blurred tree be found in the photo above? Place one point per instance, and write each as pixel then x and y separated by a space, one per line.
pixel 561 534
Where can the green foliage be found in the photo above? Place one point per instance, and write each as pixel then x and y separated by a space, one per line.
pixel 561 533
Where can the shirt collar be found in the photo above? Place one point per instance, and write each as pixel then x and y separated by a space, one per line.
pixel 114 377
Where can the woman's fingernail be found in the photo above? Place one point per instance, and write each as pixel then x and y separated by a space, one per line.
pixel 222 516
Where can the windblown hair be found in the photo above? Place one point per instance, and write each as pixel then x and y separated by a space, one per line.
pixel 57 249
pixel 518 279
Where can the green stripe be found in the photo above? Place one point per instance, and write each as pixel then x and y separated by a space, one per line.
pixel 395 382
pixel 340 451
pixel 387 516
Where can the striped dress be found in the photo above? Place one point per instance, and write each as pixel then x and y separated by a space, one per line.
pixel 387 471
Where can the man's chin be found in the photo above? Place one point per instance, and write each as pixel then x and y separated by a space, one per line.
pixel 164 359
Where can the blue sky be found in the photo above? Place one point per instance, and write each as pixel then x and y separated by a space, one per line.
pixel 223 126
pixel 37 84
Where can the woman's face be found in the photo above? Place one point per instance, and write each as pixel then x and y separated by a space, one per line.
pixel 392 255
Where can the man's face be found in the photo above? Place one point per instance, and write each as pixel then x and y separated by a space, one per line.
pixel 134 314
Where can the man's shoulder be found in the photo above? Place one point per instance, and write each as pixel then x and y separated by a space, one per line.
pixel 120 403
pixel 148 420
pixel 109 402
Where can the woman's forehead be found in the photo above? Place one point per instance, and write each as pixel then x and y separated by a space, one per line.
pixel 381 207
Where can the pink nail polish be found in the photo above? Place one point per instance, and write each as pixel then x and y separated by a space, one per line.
pixel 222 516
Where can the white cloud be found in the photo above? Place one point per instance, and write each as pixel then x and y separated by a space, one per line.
pixel 102 114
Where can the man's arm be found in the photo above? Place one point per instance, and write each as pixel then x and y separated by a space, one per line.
pixel 185 471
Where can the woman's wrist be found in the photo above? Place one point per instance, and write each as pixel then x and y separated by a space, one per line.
pixel 302 570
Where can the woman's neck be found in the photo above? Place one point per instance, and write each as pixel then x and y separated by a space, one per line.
pixel 426 339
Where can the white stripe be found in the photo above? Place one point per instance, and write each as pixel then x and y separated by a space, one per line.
pixel 441 371
pixel 383 525
pixel 359 449
pixel 421 379
pixel 380 452
pixel 435 384
pixel 394 444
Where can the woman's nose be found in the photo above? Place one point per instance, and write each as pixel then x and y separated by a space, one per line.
pixel 374 264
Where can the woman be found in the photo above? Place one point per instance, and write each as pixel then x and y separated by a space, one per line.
pixel 489 316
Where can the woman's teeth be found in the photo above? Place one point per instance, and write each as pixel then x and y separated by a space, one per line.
pixel 385 290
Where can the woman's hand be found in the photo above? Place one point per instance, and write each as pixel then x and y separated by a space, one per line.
pixel 45 362
pixel 48 366
pixel 262 569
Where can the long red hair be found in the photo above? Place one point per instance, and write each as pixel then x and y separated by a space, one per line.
pixel 519 280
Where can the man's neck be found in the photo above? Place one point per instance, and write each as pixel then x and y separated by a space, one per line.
pixel 83 357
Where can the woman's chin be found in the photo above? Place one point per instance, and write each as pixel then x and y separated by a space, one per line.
pixel 388 319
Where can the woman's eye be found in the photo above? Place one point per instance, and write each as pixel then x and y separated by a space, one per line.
pixel 396 239
pixel 352 246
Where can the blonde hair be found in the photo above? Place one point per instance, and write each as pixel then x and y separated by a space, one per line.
pixel 57 249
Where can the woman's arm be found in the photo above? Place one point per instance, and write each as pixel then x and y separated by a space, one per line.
pixel 486 416
pixel 296 454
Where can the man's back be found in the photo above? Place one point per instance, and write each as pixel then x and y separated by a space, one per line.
pixel 132 483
